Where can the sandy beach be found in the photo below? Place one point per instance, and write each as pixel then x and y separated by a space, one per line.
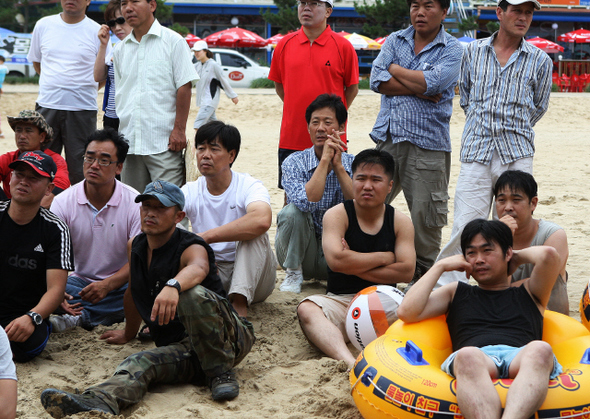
pixel 283 377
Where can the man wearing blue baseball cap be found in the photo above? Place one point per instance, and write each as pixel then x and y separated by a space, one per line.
pixel 175 289
pixel 35 260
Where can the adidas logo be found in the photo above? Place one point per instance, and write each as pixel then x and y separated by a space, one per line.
pixel 39 248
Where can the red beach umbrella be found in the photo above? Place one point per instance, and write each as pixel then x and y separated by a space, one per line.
pixel 235 37
pixel 191 39
pixel 545 45
pixel 580 36
pixel 381 40
pixel 274 40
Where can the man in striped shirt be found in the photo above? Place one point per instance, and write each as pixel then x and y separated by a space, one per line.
pixel 416 72
pixel 505 84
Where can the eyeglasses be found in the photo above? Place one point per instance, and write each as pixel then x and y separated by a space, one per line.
pixel 311 4
pixel 102 162
pixel 118 21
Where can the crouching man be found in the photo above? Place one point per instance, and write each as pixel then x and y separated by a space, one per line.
pixel 495 329
pixel 366 242
pixel 175 289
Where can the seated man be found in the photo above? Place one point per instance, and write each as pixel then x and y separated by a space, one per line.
pixel 314 180
pixel 231 212
pixel 366 242
pixel 102 216
pixel 31 133
pixel 516 198
pixel 198 335
pixel 495 329
pixel 35 256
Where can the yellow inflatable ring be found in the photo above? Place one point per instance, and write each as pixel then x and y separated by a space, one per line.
pixel 398 375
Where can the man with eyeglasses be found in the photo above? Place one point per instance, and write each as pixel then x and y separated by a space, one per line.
pixel 307 63
pixel 63 51
pixel 102 216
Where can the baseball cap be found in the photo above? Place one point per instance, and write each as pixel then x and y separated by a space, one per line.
pixel 32 117
pixel 167 193
pixel 199 46
pixel 517 2
pixel 39 161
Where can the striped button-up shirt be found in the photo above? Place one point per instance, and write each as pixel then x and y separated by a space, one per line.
pixel 408 117
pixel 298 169
pixel 502 104
pixel 148 75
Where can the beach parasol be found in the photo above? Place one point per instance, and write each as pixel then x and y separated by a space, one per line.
pixel 579 36
pixel 381 40
pixel 191 39
pixel 235 37
pixel 361 41
pixel 545 45
pixel 274 40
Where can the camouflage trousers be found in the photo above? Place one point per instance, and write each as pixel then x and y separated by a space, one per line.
pixel 217 340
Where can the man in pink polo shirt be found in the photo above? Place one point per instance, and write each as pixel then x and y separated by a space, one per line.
pixel 307 63
pixel 102 216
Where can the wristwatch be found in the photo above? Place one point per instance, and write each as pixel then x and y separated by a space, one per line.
pixel 174 283
pixel 35 317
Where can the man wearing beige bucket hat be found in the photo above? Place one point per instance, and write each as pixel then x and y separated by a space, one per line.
pixel 31 133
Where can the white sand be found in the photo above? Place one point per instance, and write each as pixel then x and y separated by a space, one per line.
pixel 283 377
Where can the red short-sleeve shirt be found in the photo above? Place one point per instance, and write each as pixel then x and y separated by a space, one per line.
pixel 306 71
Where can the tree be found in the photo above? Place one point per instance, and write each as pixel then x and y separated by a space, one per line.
pixel 492 26
pixel 286 17
pixel 181 29
pixel 469 24
pixel 21 16
pixel 163 11
pixel 383 17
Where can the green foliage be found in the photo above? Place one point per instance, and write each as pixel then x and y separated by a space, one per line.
pixel 382 17
pixel 286 17
pixel 181 29
pixel 31 13
pixel 554 87
pixel 163 11
pixel 262 83
pixel 365 84
pixel 587 89
pixel 468 24
pixel 21 80
pixel 492 26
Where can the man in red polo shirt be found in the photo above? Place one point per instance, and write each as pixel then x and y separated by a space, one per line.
pixel 307 63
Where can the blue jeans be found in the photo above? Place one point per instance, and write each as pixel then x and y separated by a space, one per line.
pixel 107 311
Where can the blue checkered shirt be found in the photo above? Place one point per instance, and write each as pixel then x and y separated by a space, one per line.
pixel 502 104
pixel 408 117
pixel 298 169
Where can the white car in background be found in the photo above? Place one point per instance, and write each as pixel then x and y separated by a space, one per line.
pixel 239 69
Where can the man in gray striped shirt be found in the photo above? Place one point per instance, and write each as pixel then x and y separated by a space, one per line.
pixel 505 84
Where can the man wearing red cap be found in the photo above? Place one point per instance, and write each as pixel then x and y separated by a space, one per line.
pixel 34 263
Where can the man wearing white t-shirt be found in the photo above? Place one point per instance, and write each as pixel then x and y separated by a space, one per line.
pixel 231 212
pixel 63 51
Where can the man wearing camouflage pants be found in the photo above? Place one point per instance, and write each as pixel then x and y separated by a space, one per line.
pixel 199 344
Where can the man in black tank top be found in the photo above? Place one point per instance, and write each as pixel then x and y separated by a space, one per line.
pixel 366 243
pixel 174 288
pixel 495 328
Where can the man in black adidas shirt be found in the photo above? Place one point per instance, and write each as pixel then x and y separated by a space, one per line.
pixel 35 256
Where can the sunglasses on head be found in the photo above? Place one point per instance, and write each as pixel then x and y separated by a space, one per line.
pixel 120 20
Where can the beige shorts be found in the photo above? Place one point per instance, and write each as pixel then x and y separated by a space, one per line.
pixel 334 308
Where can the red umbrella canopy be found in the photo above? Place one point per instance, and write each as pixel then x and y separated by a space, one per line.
pixel 545 45
pixel 381 40
pixel 191 39
pixel 579 36
pixel 235 37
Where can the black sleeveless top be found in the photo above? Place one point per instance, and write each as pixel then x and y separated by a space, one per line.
pixel 359 241
pixel 479 318
pixel 146 283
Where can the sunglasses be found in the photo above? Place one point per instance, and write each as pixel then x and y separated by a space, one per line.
pixel 118 21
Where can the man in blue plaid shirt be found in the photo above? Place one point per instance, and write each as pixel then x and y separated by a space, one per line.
pixel 416 72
